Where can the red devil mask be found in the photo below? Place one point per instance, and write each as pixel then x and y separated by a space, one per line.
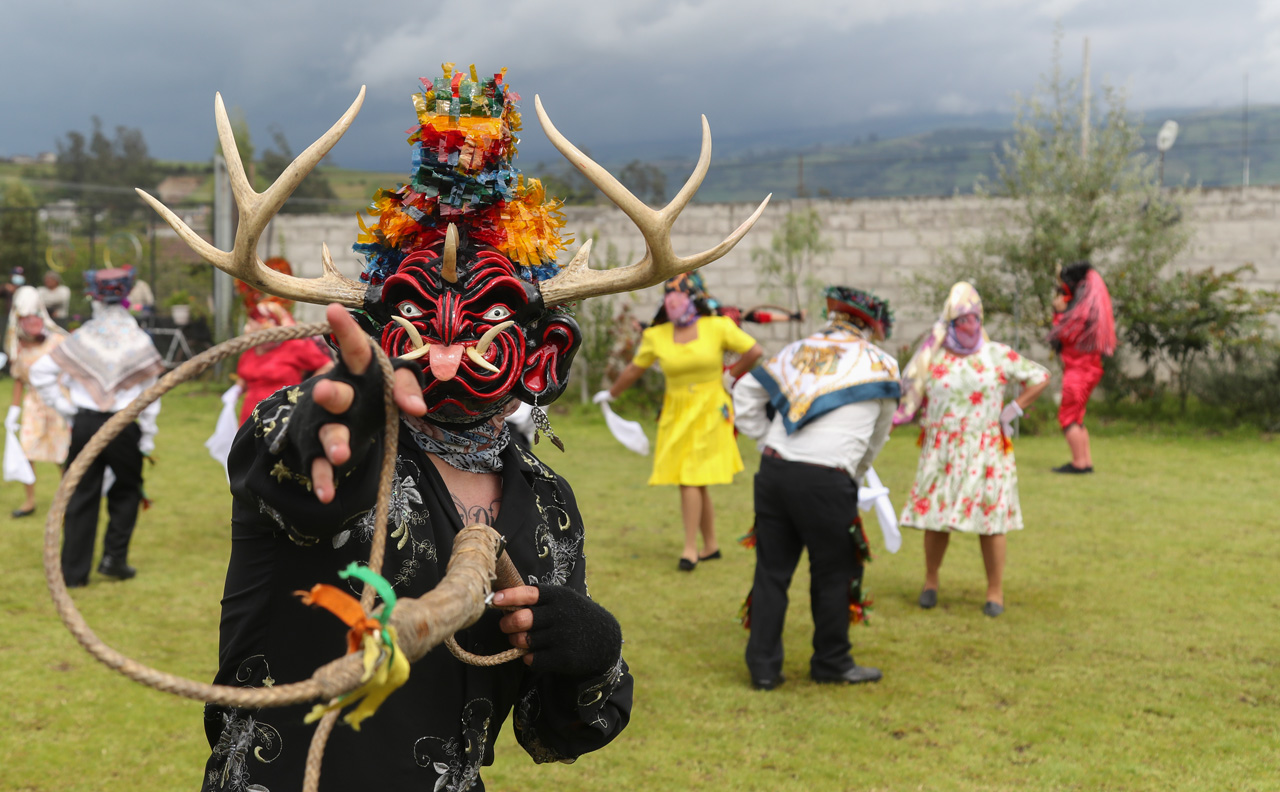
pixel 480 332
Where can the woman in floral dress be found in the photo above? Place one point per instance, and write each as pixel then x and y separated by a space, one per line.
pixel 967 480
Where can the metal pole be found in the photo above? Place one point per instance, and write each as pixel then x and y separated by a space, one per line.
pixel 223 239
pixel 155 285
pixel 1084 109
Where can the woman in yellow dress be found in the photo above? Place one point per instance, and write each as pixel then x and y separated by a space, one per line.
pixel 696 445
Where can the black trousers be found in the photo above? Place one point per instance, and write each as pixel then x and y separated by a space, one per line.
pixel 81 527
pixel 802 506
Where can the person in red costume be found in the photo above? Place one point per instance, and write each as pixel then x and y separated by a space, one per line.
pixel 266 369
pixel 1084 330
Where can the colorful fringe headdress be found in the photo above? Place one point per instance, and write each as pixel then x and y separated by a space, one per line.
pixel 463 172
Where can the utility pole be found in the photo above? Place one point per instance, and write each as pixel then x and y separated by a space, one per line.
pixel 1084 108
pixel 1244 134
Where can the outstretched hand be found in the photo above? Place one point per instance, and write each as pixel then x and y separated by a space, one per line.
pixel 336 397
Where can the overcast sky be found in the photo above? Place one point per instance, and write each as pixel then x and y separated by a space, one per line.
pixel 610 73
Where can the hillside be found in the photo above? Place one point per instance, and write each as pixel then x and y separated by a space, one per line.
pixel 940 161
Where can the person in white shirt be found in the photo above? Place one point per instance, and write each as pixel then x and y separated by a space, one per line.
pixel 55 296
pixel 821 410
pixel 104 365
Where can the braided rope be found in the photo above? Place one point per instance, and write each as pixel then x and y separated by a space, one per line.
pixel 437 613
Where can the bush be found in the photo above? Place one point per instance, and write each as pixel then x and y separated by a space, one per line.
pixel 1246 384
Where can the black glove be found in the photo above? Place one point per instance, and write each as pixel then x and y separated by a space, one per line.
pixel 571 635
pixel 363 419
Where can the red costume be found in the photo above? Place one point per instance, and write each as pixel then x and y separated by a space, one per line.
pixel 1082 334
pixel 266 370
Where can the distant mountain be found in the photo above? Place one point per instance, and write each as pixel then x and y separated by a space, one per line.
pixel 935 155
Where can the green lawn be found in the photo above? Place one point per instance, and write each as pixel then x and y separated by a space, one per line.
pixel 1139 650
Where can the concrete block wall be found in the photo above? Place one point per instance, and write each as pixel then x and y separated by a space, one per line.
pixel 880 244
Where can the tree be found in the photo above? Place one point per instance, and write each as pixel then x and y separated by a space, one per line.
pixel 787 264
pixel 122 162
pixel 1054 203
pixel 646 182
pixel 19 232
pixel 310 195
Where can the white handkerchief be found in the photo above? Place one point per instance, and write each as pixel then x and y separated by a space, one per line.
pixel 629 433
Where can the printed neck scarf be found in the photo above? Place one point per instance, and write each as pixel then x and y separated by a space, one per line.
pixel 474 450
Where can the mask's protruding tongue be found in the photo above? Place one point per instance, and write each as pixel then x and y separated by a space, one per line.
pixel 443 361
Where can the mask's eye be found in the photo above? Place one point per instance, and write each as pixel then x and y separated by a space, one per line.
pixel 409 310
pixel 496 314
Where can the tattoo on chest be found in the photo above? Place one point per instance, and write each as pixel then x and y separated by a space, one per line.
pixel 472 513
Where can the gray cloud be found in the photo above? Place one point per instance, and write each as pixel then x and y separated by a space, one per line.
pixel 611 75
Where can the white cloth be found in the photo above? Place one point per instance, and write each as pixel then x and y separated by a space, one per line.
pixel 46 375
pixel 629 433
pixel 16 466
pixel 224 430
pixel 848 437
pixel 874 493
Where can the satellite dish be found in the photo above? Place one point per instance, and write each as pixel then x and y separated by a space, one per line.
pixel 1168 134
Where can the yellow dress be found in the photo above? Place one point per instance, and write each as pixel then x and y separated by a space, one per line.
pixel 695 445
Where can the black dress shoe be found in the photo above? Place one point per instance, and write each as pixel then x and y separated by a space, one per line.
pixel 22 512
pixel 686 565
pixel 993 609
pixel 767 684
pixel 77 583
pixel 711 556
pixel 115 569
pixel 854 676
pixel 1070 468
pixel 928 598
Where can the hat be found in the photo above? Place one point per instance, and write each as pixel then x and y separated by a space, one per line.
pixel 864 305
pixel 109 286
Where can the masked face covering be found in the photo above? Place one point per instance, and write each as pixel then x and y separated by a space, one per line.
pixel 680 308
pixel 964 334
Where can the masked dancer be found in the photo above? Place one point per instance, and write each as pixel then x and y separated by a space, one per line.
pixel 696 446
pixel 31 334
pixel 833 396
pixel 105 364
pixel 1084 331
pixel 966 480
pixel 267 368
pixel 462 287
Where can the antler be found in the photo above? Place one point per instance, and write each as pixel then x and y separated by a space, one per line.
pixel 577 281
pixel 257 209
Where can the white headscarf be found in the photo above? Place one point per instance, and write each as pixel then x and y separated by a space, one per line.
pixel 26 302
pixel 962 300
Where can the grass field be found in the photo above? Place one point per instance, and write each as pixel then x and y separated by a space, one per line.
pixel 1139 650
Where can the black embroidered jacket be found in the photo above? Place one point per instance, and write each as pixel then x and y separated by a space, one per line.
pixel 439 729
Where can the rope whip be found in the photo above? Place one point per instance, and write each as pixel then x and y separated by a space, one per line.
pixel 477 564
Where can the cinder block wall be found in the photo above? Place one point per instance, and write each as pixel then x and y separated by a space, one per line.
pixel 878 244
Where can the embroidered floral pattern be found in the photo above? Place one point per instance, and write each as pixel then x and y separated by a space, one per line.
pixel 457 761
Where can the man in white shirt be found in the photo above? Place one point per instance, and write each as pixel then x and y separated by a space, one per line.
pixel 821 410
pixel 55 296
pixel 104 365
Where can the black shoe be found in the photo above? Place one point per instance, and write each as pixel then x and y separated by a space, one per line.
pixel 854 676
pixel 22 512
pixel 993 609
pixel 686 565
pixel 928 598
pixel 77 583
pixel 1070 468
pixel 768 684
pixel 711 556
pixel 116 569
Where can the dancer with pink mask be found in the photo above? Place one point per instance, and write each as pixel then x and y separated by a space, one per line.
pixel 967 480
pixel 696 445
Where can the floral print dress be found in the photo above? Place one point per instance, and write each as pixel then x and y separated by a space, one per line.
pixel 967 479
